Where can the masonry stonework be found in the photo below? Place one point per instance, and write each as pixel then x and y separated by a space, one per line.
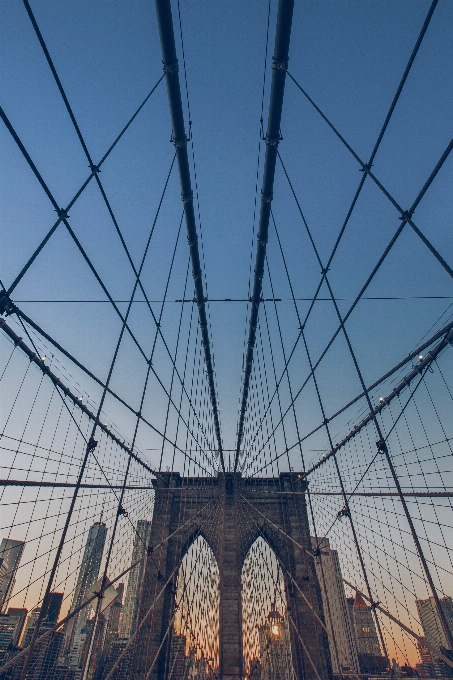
pixel 230 512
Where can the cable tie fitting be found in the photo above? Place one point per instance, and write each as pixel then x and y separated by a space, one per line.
pixel 179 143
pixel 192 241
pixel 267 198
pixel 121 511
pixel 170 69
pixel 91 444
pixel 262 241
pixel 95 169
pixel 373 605
pixel 405 216
pixel 344 512
pixel 366 167
pixel 272 142
pixel 382 446
pixel 186 199
pixel 324 270
pixel 6 306
pixel 62 214
pixel 279 65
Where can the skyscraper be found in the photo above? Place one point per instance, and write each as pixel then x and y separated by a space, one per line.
pixel 88 575
pixel 369 652
pixel 52 607
pixel 134 586
pixel 344 652
pixel 45 652
pixel 10 555
pixel 432 626
pixel 11 627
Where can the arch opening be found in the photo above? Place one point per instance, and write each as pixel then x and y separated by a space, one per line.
pixel 195 641
pixel 266 636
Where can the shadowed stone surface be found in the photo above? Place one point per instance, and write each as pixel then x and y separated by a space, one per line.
pixel 230 526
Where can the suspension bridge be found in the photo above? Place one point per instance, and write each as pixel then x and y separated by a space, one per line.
pixel 153 527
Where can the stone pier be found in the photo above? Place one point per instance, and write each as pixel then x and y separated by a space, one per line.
pixel 230 526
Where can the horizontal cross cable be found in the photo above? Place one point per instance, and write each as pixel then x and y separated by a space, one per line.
pixel 407 215
pixel 150 487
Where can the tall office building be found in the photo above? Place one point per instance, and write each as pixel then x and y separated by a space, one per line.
pixel 11 627
pixel 88 575
pixel 369 653
pixel 52 608
pixel 275 648
pixel 3 572
pixel 45 653
pixel 367 639
pixel 430 620
pixel 10 556
pixel 343 652
pixel 134 586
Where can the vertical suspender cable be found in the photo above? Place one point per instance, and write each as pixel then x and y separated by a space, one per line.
pixel 171 70
pixel 279 69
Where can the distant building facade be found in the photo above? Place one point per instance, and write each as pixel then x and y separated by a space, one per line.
pixel 135 582
pixel 78 627
pixel 10 556
pixel 339 624
pixel 430 620
pixel 11 627
pixel 369 654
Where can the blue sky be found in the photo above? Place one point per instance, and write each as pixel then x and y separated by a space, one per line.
pixel 349 56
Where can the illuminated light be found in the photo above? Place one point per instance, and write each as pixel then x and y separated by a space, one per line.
pixel 420 356
pixel 381 399
pixel 275 630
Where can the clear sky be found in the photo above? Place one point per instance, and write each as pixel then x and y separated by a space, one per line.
pixel 349 56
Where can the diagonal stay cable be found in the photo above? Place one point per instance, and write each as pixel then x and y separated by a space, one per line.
pixel 5 303
pixel 362 181
pixel 375 605
pixel 365 168
pixel 91 165
pixel 36 359
pixel 390 245
pixel 92 443
pixel 93 597
pixel 443 332
pixel 30 261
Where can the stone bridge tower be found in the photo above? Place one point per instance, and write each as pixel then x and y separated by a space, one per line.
pixel 230 512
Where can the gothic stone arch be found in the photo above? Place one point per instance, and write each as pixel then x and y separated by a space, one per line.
pixel 230 526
